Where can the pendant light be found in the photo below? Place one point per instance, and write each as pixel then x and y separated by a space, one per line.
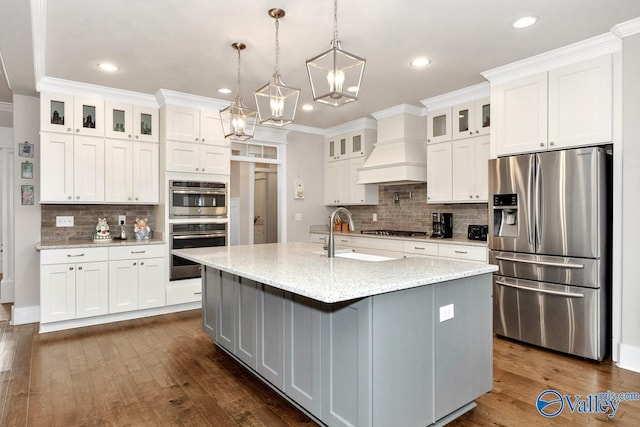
pixel 335 75
pixel 277 102
pixel 238 120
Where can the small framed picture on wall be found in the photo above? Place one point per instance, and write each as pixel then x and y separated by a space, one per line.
pixel 25 149
pixel 26 192
pixel 27 170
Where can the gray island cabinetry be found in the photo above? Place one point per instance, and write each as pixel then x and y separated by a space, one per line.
pixel 353 343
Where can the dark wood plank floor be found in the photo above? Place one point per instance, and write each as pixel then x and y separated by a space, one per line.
pixel 164 371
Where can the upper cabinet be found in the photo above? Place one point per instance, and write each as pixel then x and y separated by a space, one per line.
pixel 565 107
pixel 347 146
pixel 131 122
pixel 439 125
pixel 193 125
pixel 71 114
pixel 471 118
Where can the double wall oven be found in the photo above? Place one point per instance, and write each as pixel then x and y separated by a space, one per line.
pixel 197 219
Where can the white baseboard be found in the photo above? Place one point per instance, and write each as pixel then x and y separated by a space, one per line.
pixel 24 315
pixel 117 317
pixel 629 357
pixel 7 290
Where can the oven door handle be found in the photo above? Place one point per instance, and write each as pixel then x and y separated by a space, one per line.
pixel 198 236
pixel 203 191
pixel 542 291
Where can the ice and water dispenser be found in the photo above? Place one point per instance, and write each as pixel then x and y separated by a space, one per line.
pixel 505 215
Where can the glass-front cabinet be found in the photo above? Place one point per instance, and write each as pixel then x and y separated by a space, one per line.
pixel 71 114
pixel 471 119
pixel 132 122
pixel 439 125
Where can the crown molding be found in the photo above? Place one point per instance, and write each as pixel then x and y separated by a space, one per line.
pixel 6 107
pixel 400 109
pixel 467 94
pixel 166 96
pixel 87 90
pixel 352 126
pixel 39 38
pixel 627 28
pixel 586 49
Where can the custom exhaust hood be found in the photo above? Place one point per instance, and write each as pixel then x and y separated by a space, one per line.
pixel 399 156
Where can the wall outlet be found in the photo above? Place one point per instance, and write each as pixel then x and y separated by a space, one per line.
pixel 64 221
pixel 298 216
pixel 122 220
pixel 375 217
pixel 446 312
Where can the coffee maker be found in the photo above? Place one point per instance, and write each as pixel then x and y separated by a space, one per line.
pixel 442 225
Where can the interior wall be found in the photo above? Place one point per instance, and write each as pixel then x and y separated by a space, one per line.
pixel 630 307
pixel 240 183
pixel 6 157
pixel 26 126
pixel 304 164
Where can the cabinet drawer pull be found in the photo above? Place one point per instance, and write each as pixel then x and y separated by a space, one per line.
pixel 198 293
pixel 138 252
pixel 460 252
pixel 418 247
pixel 74 256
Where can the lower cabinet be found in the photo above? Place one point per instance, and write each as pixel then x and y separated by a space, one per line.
pixel 270 363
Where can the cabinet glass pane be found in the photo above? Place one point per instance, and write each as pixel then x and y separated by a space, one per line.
pixel 343 146
pixel 145 124
pixel 356 144
pixel 118 121
pixel 57 112
pixel 332 148
pixel 89 116
pixel 440 125
pixel 463 120
pixel 486 115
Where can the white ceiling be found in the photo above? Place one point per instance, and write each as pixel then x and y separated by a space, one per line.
pixel 185 45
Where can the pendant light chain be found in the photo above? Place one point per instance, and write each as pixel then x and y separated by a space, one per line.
pixel 335 21
pixel 238 72
pixel 277 72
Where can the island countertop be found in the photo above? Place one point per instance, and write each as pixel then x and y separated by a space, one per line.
pixel 304 269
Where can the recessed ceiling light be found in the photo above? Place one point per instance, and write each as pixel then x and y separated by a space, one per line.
pixel 524 22
pixel 420 62
pixel 224 90
pixel 307 107
pixel 105 66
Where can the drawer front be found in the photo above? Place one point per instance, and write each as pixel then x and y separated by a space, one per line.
pixel 73 255
pixel 137 252
pixel 184 292
pixel 471 253
pixel 374 243
pixel 340 240
pixel 318 238
pixel 420 248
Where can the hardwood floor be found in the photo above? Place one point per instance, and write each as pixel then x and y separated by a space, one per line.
pixel 165 371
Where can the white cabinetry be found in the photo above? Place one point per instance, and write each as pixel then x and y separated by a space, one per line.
pixel 439 125
pixel 72 168
pixel 439 172
pixel 136 277
pixel 413 249
pixel 471 119
pixel 133 172
pixel 463 252
pixel 470 181
pixel 71 114
pixel 193 125
pixel 198 158
pixel 73 284
pixel 131 122
pixel 345 154
pixel 566 107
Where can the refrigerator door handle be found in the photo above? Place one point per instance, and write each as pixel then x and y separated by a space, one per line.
pixel 542 291
pixel 545 263
pixel 530 193
pixel 538 201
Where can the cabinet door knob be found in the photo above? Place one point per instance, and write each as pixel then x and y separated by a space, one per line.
pixel 202 169
pixel 542 144
pixel 79 268
pixel 134 263
pixel 129 198
pixel 202 139
pixel 77 197
pixel 197 169
pixel 471 133
pixel 142 263
pixel 77 130
pixel 70 268
pixel 477 131
pixel 552 143
pixel 68 197
pixel 428 140
pixel 471 196
pixel 68 129
pixel 136 198
pixel 129 136
pixel 196 139
pixel 137 136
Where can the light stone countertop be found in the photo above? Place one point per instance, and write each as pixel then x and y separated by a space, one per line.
pixel 304 269
pixel 64 244
pixel 452 240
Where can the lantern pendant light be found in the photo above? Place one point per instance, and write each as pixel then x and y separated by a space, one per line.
pixel 238 120
pixel 276 102
pixel 335 75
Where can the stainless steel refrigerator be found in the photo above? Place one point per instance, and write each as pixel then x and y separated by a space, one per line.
pixel 549 231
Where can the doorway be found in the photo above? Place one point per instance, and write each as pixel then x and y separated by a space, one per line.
pixel 265 206
pixel 7 290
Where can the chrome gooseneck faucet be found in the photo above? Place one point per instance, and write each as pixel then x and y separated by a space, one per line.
pixel 352 227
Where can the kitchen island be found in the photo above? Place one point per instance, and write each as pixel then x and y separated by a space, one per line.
pixel 352 342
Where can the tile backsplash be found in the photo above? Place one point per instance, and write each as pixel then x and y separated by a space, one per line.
pixel 86 218
pixel 415 214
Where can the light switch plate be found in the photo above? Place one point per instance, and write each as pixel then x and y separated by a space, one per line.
pixel 375 217
pixel 298 216
pixel 446 312
pixel 122 220
pixel 64 221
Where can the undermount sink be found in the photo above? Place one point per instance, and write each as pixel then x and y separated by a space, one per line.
pixel 363 257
